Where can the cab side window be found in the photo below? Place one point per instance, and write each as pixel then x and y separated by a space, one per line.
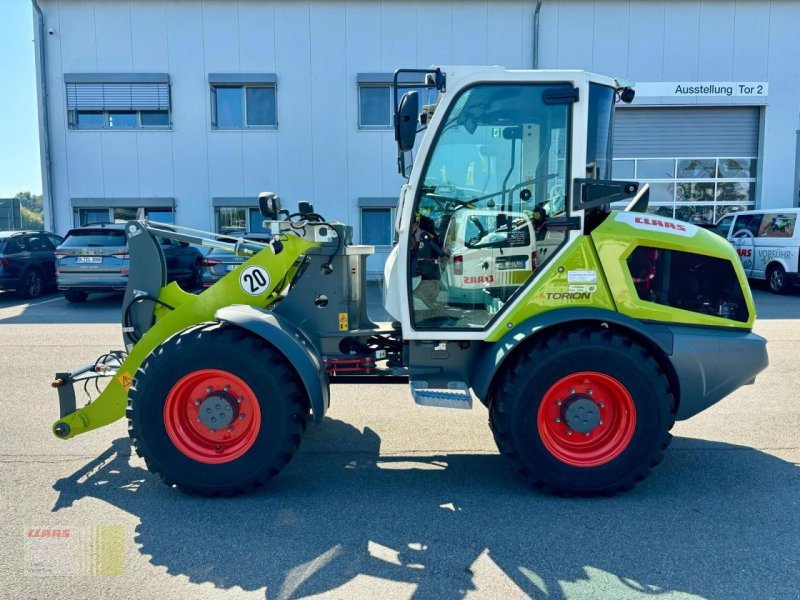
pixel 776 225
pixel 495 177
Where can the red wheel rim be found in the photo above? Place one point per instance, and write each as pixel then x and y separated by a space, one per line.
pixel 230 421
pixel 610 411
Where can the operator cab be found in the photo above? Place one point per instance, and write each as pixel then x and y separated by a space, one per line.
pixel 489 199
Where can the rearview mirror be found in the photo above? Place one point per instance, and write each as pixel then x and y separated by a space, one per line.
pixel 589 193
pixel 405 121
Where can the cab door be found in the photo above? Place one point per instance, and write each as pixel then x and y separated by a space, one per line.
pixel 500 156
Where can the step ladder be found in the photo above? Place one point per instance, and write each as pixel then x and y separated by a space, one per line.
pixel 456 395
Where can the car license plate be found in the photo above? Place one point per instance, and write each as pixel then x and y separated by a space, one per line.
pixel 510 264
pixel 94 260
pixel 230 267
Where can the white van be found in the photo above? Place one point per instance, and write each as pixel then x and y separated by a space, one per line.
pixel 491 254
pixel 768 244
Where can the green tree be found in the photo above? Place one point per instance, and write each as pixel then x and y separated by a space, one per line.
pixel 31 210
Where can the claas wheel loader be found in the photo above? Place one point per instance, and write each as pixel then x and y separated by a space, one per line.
pixel 584 357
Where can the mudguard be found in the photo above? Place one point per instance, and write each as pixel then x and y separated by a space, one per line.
pixel 291 342
pixel 492 355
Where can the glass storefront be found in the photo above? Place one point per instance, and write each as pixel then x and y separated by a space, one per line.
pixel 698 190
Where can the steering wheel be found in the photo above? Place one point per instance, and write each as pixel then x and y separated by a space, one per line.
pixel 743 234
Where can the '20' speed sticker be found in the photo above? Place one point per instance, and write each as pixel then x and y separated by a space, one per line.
pixel 254 280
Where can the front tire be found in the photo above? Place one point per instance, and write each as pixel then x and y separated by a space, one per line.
pixel 585 412
pixel 777 280
pixel 214 410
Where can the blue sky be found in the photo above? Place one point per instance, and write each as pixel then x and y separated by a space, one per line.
pixel 19 126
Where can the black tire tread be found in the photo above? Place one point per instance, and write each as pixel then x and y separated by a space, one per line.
pixel 507 388
pixel 235 337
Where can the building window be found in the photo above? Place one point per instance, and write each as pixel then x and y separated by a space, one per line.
pixel 375 99
pixel 122 214
pixel 374 106
pixel 243 106
pixel 87 216
pixel 129 119
pixel 698 190
pixel 376 226
pixel 118 101
pixel 239 220
pixel 160 215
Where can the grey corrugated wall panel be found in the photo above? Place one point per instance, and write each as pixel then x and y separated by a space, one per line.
pixel 730 131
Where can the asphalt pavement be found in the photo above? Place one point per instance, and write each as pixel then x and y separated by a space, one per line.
pixel 388 499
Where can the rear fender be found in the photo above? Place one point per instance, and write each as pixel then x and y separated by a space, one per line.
pixel 289 341
pixel 493 356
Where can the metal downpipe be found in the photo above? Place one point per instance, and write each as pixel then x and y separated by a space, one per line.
pixel 45 122
pixel 535 34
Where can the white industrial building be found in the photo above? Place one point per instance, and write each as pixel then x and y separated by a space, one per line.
pixel 186 109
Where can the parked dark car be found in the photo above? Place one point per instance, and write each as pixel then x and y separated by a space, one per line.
pixel 219 263
pixel 94 258
pixel 27 261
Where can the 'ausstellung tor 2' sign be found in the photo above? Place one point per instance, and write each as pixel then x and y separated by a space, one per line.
pixel 696 89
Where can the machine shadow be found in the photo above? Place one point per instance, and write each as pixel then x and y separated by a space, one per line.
pixel 341 510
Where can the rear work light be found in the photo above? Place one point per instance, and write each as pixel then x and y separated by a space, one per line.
pixel 458 264
pixel 209 262
pixel 534 260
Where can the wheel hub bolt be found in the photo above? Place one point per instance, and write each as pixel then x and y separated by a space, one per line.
pixel 231 429
pixel 586 434
pixel 569 431
pixel 571 390
pixel 241 416
pixel 209 389
pixel 239 400
pixel 227 388
pixel 590 392
pixel 558 419
pixel 197 402
pixel 558 403
pixel 601 422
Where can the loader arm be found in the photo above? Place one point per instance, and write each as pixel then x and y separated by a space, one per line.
pixel 258 282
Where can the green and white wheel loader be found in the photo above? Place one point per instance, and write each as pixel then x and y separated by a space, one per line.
pixel 583 355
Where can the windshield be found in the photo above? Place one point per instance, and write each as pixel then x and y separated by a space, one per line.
pixel 496 174
pixel 94 238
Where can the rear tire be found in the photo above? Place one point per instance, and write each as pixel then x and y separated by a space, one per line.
pixel 614 382
pixel 32 284
pixel 777 281
pixel 75 296
pixel 265 427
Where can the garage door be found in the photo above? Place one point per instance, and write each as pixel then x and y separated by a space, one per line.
pixel 700 161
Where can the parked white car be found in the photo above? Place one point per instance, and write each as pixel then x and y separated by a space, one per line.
pixel 768 244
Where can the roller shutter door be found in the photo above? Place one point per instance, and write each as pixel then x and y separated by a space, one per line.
pixel 730 131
